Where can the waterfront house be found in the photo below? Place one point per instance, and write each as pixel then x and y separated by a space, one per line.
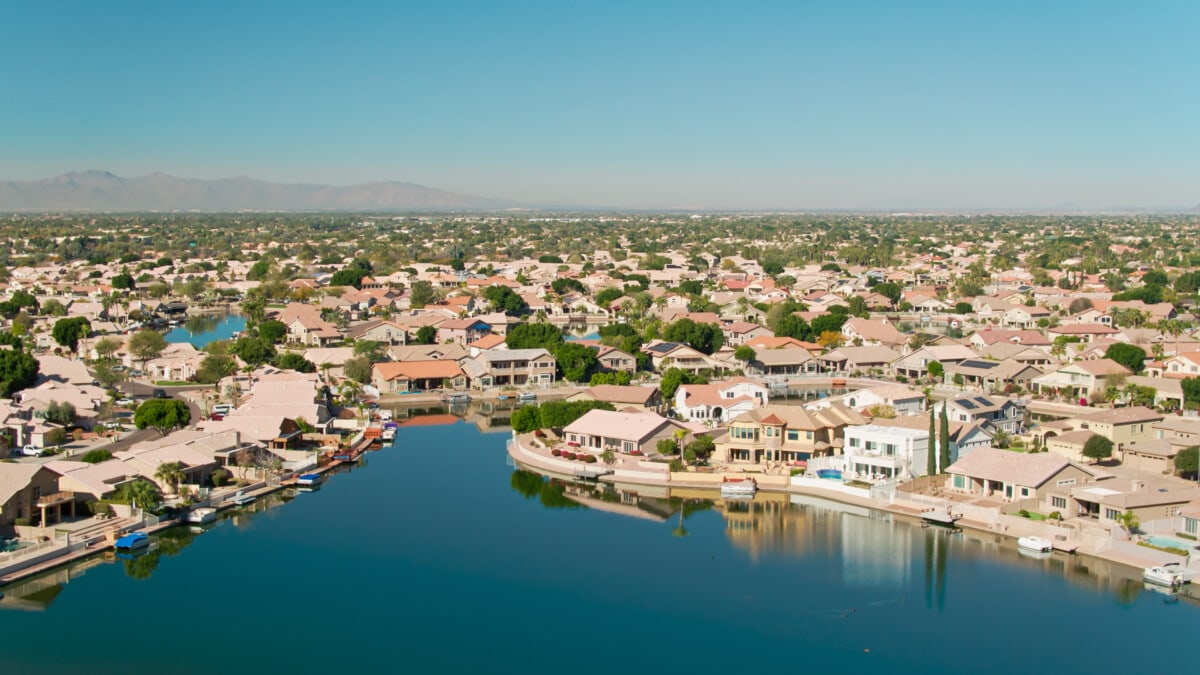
pixel 1149 500
pixel 989 374
pixel 1087 332
pixel 600 430
pixel 648 398
pixel 511 367
pixel 916 364
pixel 1016 476
pixel 394 377
pixel 873 452
pixel 858 359
pixel 777 433
pixel 24 489
pixel 793 361
pixel 719 401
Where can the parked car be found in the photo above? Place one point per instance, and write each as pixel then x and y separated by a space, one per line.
pixel 31 451
pixel 126 401
pixel 160 393
pixel 222 409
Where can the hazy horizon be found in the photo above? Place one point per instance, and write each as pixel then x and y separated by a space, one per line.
pixel 671 105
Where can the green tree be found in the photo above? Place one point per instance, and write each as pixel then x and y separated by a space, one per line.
pixel 943 439
pixel 576 361
pixel 371 349
pixel 140 493
pixel 700 448
pixel 703 337
pixel 744 353
pixel 422 294
pixel 123 281
pixel 61 413
pixel 348 277
pixel 1191 391
pixel 68 332
pixel 53 307
pixel 255 351
pixel 1187 461
pixel 607 295
pixel 162 414
pixel 534 335
pixel 272 330
pixel 106 347
pixel 96 456
pixel 934 369
pixel 674 377
pixel 214 368
pixel 1098 447
pixel 146 344
pixel 525 419
pixel 931 456
pixel 358 369
pixel 1129 522
pixel 889 290
pixel 666 446
pixel 426 335
pixel 18 370
pixel 296 362
pixel 170 473
pixel 1130 356
pixel 504 299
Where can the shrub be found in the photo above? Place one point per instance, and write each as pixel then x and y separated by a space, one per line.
pixel 1054 515
pixel 556 452
pixel 569 455
pixel 22 522
pixel 677 465
pixel 95 456
pixel 219 477
pixel 591 459
pixel 1023 513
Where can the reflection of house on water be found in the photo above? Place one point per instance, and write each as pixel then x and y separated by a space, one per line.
pixel 486 416
pixel 36 593
pixel 643 502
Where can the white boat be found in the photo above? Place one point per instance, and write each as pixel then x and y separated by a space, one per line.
pixel 738 487
pixel 202 515
pixel 1038 544
pixel 241 499
pixel 388 434
pixel 940 516
pixel 1170 574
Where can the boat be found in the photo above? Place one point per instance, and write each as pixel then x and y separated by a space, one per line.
pixel 241 499
pixel 389 431
pixel 1170 574
pixel 527 396
pixel 940 517
pixel 132 541
pixel 202 515
pixel 309 479
pixel 738 487
pixel 456 398
pixel 1036 544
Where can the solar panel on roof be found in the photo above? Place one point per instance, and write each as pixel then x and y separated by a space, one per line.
pixel 966 403
pixel 982 401
pixel 664 347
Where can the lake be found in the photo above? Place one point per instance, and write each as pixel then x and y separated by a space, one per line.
pixel 437 556
pixel 202 329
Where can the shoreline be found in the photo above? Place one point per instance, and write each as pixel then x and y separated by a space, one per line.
pixel 526 458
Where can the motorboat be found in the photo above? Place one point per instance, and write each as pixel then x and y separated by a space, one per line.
pixel 1036 544
pixel 456 398
pixel 527 397
pixel 309 479
pixel 940 516
pixel 202 515
pixel 738 487
pixel 241 499
pixel 1169 574
pixel 389 431
pixel 132 541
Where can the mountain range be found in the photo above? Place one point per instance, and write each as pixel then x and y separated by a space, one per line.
pixel 104 191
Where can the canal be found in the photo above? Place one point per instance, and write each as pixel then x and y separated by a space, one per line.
pixel 201 329
pixel 437 556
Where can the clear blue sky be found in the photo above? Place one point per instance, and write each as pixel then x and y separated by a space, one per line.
pixel 646 104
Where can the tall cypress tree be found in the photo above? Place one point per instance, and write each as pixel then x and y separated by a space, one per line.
pixel 944 438
pixel 931 454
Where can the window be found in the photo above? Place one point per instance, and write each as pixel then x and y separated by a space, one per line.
pixel 1191 525
pixel 1066 481
pixel 1024 492
pixel 1112 514
pixel 853 441
pixel 1058 502
pixel 890 449
pixel 808 435
pixel 793 435
pixel 960 482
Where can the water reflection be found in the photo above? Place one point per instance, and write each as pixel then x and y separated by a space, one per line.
pixel 873 550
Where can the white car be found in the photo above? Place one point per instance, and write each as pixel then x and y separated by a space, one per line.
pixel 31 451
pixel 126 401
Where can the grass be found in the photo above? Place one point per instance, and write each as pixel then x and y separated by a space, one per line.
pixel 172 383
pixel 1165 549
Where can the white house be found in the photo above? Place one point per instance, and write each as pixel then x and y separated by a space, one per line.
pixel 875 453
pixel 720 401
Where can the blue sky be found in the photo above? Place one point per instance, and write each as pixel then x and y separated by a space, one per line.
pixel 639 104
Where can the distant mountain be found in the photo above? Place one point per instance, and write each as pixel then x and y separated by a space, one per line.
pixel 103 191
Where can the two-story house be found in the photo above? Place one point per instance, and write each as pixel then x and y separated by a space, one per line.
pixel 874 453
pixel 993 412
pixel 776 433
pixel 511 367
pixel 666 355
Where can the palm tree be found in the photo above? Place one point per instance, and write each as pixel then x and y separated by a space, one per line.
pixel 1128 522
pixel 141 494
pixel 170 473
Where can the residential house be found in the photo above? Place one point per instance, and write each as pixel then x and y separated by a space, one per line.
pixel 614 360
pixel 916 364
pixel 739 332
pixel 462 331
pixel 402 377
pixel 666 355
pixel 1036 479
pixel 994 412
pixel 858 359
pixel 794 361
pixel 24 490
pixel 378 330
pixel 511 367
pixel 719 401
pixel 1080 379
pixel 626 432
pixel 992 375
pixel 873 332
pixel 622 396
pixel 875 453
pixel 776 433
pixel 1084 331
pixel 1182 365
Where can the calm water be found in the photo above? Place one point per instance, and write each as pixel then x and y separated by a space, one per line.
pixel 203 329
pixel 394 568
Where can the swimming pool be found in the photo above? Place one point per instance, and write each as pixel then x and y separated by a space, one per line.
pixel 1168 542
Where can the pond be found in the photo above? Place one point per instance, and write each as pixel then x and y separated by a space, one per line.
pixel 202 329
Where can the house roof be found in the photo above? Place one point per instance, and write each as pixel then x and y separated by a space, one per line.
pixel 1017 468
pixel 14 478
pixel 621 425
pixel 614 393
pixel 418 370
